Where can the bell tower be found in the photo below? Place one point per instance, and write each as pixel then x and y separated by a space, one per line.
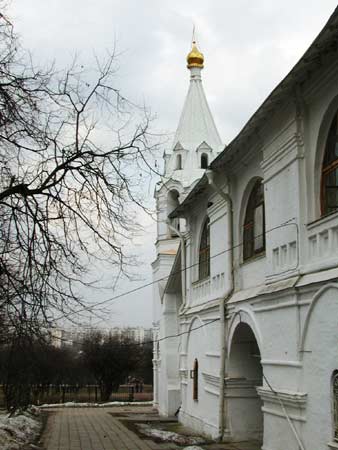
pixel 195 145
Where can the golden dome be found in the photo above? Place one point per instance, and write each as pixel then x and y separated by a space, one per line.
pixel 195 58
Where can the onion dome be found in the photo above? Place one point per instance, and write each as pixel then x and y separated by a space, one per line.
pixel 195 58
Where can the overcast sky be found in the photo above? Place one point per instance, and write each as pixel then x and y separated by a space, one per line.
pixel 249 46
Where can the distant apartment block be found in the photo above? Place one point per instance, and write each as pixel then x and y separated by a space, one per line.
pixel 70 337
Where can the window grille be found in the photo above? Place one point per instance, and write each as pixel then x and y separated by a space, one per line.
pixel 329 191
pixel 204 252
pixel 254 224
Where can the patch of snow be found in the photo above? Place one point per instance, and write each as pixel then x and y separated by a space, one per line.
pixel 19 430
pixel 193 448
pixel 93 405
pixel 170 436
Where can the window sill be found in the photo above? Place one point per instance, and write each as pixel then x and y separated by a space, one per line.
pixel 253 258
pixel 201 280
pixel 322 219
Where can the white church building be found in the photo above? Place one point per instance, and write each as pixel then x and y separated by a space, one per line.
pixel 246 272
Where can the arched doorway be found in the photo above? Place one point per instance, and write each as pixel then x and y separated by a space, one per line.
pixel 244 375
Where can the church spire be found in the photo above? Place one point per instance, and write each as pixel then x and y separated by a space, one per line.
pixel 196 125
pixel 196 142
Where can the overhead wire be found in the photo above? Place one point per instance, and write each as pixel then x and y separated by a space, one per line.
pixel 287 223
pixel 287 416
pixel 138 288
pixel 153 341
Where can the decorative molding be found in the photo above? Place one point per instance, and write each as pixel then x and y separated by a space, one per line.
pixel 183 374
pixel 246 315
pixel 211 379
pixel 267 294
pixel 285 154
pixel 276 140
pixel 217 211
pixel 156 363
pixel 211 391
pixel 241 387
pixel 280 305
pixel 323 220
pixel 213 354
pixel 315 299
pixel 208 305
pixel 283 276
pixel 280 362
pixel 273 412
pixel 292 399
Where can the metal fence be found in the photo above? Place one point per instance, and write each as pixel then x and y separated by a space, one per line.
pixel 90 393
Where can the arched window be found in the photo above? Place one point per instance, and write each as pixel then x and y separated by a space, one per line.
pixel 254 224
pixel 335 405
pixel 195 380
pixel 172 203
pixel 204 252
pixel 329 191
pixel 178 162
pixel 204 161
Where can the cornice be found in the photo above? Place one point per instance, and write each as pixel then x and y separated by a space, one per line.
pixel 288 398
pixel 212 380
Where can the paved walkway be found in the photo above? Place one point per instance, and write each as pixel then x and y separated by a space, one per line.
pixel 102 429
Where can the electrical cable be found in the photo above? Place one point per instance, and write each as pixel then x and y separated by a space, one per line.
pixel 130 344
pixel 123 294
pixel 287 223
pixel 301 446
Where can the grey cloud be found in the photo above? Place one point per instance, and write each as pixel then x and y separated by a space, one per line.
pixel 248 45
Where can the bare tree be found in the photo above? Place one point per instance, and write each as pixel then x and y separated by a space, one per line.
pixel 110 359
pixel 71 152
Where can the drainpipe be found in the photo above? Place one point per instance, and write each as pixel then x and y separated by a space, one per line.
pixel 210 175
pixel 183 260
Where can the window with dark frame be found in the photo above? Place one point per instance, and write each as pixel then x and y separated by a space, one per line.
pixel 335 406
pixel 178 162
pixel 204 252
pixel 204 161
pixel 329 186
pixel 254 223
pixel 195 381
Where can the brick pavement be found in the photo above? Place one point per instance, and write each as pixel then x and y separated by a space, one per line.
pixel 98 429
